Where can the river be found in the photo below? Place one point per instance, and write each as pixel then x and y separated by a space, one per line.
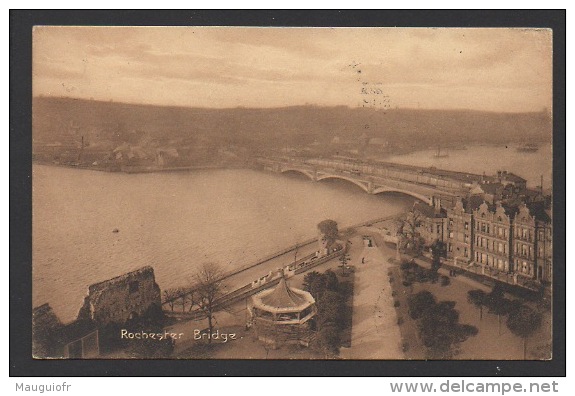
pixel 488 159
pixel 173 222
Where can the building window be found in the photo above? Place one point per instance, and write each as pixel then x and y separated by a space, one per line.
pixel 488 228
pixel 466 226
pixel 482 227
pixel 451 234
pixel 466 238
pixel 500 247
pixel 450 221
pixel 450 247
pixel 439 228
pixel 465 252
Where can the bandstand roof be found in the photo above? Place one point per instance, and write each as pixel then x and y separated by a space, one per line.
pixel 283 298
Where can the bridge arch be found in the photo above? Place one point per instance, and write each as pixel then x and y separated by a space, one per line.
pixel 303 172
pixel 349 179
pixel 421 197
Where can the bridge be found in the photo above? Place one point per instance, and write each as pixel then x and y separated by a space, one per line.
pixel 425 184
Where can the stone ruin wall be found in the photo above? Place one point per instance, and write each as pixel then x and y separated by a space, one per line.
pixel 118 299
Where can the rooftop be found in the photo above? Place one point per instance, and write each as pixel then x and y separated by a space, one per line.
pixel 283 298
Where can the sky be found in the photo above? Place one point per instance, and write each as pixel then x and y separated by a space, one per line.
pixel 508 70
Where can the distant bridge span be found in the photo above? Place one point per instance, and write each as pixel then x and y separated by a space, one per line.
pixel 302 171
pixel 421 183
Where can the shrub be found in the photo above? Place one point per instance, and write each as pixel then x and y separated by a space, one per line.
pixel 406 283
pixel 445 281
pixel 400 320
pixel 393 293
pixel 396 303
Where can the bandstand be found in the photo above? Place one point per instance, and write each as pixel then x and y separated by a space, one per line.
pixel 283 315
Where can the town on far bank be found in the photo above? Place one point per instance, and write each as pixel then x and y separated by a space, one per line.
pixel 466 273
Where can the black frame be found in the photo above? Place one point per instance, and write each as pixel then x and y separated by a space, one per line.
pixel 21 22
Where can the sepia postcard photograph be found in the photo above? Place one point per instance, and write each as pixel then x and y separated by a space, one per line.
pixel 307 193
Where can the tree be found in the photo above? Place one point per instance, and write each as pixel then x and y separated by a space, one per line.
pixel 171 296
pixel 329 230
pixel 498 304
pixel 328 340
pixel 410 231
pixel 315 283
pixel 438 325
pixel 478 298
pixel 331 281
pixel 209 287
pixel 437 251
pixel 330 309
pixel 344 258
pixel 419 303
pixel 523 322
pixel 438 329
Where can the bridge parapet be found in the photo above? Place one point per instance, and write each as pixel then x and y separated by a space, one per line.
pixel 420 183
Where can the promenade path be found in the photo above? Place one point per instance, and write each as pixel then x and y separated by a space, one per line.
pixel 375 333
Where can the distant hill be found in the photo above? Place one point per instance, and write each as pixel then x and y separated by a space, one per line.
pixel 66 120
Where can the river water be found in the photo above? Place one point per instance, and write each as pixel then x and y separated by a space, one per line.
pixel 488 159
pixel 175 221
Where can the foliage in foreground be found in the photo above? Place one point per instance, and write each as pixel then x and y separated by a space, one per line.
pixel 334 315
pixel 438 325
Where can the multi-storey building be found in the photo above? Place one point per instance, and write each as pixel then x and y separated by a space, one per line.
pixel 510 241
pixel 493 237
pixel 532 243
pixel 431 222
pixel 545 251
pixel 459 230
pixel 524 253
